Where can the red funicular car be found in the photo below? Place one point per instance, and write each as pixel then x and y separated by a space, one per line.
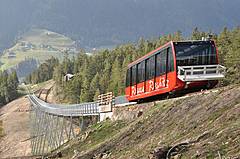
pixel 174 66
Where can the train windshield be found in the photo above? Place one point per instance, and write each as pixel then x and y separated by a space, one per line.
pixel 195 53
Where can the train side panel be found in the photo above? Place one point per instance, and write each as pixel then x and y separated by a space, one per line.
pixel 156 86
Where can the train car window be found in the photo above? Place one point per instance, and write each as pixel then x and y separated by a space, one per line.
pixel 170 60
pixel 158 64
pixel 150 73
pixel 195 53
pixel 213 57
pixel 128 77
pixel 161 62
pixel 141 72
pixel 134 75
pixel 147 69
pixel 152 67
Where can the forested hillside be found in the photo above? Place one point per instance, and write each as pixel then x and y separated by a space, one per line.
pixel 105 71
pixel 33 48
pixel 44 71
pixel 8 87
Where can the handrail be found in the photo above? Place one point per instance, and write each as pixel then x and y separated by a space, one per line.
pixel 201 72
pixel 65 110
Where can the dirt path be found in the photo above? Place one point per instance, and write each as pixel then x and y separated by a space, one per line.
pixel 16 129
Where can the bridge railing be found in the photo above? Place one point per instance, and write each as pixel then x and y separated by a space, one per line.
pixel 83 109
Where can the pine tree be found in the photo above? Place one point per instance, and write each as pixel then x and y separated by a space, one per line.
pixel 94 86
pixel 123 74
pixel 196 34
pixel 2 88
pixel 67 65
pixel 85 94
pixel 178 36
pixel 58 75
pixel 223 42
pixel 12 84
pixel 115 80
pixel 105 77
pixel 232 58
pixel 97 93
pixel 141 49
pixel 5 88
pixel 73 89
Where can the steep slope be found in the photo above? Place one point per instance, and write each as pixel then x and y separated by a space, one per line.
pixel 206 125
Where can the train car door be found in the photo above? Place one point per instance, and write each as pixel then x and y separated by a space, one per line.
pixel 128 83
pixel 133 81
pixel 161 70
pixel 150 74
pixel 166 81
pixel 141 78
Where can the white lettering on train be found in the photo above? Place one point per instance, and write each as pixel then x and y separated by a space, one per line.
pixel 161 83
pixel 158 85
pixel 140 90
pixel 151 85
pixel 133 90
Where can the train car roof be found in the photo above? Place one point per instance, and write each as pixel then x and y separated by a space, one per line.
pixel 193 41
pixel 163 46
pixel 149 54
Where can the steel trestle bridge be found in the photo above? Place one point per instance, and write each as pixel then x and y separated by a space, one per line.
pixel 51 125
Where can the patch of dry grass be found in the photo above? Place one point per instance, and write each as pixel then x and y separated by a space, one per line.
pixel 1 129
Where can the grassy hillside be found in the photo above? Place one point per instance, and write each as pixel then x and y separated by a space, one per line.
pixel 206 124
pixel 38 44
